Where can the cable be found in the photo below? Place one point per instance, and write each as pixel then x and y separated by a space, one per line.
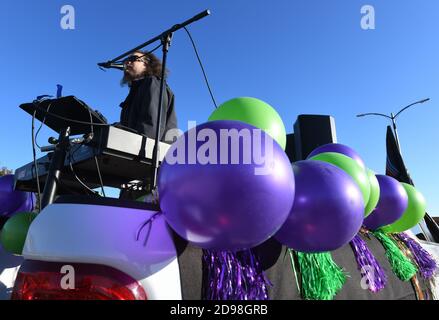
pixel 32 201
pixel 96 159
pixel 76 177
pixel 34 154
pixel 47 112
pixel 149 52
pixel 100 177
pixel 144 54
pixel 71 160
pixel 62 184
pixel 202 68
pixel 41 125
pixel 71 120
pixel 71 157
pixel 155 48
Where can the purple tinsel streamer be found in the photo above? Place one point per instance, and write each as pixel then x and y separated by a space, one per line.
pixel 377 279
pixel 233 276
pixel 427 265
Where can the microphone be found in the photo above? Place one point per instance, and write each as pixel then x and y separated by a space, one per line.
pixel 111 65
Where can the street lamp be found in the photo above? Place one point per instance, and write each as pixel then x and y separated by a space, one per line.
pixel 393 117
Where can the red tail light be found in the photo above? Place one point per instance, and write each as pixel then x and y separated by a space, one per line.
pixel 43 281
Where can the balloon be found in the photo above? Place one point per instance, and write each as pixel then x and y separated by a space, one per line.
pixel 10 200
pixel 412 215
pixel 374 193
pixel 351 167
pixel 255 112
pixel 391 204
pixel 338 148
pixel 14 232
pixel 27 205
pixel 327 212
pixel 229 205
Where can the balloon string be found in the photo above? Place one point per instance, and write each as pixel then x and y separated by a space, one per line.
pixel 149 221
pixel 365 232
pixel 293 265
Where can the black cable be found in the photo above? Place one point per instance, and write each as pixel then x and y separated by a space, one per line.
pixel 76 177
pixel 41 125
pixel 201 65
pixel 71 120
pixel 155 48
pixel 71 157
pixel 32 201
pixel 144 54
pixel 100 177
pixel 62 184
pixel 71 166
pixel 47 112
pixel 96 159
pixel 149 52
pixel 34 154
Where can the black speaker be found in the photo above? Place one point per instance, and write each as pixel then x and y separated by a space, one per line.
pixel 290 148
pixel 312 131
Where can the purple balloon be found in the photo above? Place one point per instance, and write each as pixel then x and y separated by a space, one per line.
pixel 10 200
pixel 391 205
pixel 328 209
pixel 26 206
pixel 338 148
pixel 229 205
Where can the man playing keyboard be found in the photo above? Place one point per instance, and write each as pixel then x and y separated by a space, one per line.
pixel 142 73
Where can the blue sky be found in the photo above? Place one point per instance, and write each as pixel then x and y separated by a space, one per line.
pixel 302 57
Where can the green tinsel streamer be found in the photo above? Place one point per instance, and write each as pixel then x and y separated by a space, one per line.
pixel 402 267
pixel 321 277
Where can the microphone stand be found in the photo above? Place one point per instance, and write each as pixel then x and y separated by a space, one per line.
pixel 165 39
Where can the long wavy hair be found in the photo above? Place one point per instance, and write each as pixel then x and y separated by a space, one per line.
pixel 153 67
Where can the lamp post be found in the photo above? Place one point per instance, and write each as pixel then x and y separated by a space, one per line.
pixel 393 117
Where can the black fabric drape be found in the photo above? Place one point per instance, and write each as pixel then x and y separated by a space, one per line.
pixel 276 263
pixel 396 168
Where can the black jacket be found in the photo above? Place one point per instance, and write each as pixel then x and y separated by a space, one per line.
pixel 139 110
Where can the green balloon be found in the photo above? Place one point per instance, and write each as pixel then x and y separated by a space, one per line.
pixel 414 213
pixel 14 232
pixel 374 193
pixel 351 167
pixel 255 112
